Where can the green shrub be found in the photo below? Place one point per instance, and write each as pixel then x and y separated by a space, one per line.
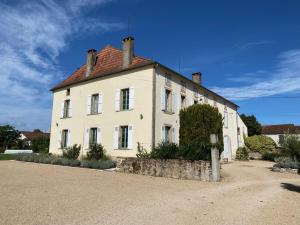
pixel 291 146
pixel 242 153
pixel 142 152
pixel 197 123
pixel 285 162
pixel 102 164
pixel 96 152
pixel 262 144
pixel 165 150
pixel 7 156
pixel 72 153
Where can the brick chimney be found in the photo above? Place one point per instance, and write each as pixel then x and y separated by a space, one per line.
pixel 128 52
pixel 90 61
pixel 197 78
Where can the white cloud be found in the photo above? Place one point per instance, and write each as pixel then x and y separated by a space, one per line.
pixel 282 80
pixel 32 35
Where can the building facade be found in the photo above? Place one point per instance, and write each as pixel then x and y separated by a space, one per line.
pixel 119 99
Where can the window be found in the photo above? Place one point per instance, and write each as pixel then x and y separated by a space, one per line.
pixel 64 138
pixel 168 135
pixel 195 102
pixel 94 103
pixel 168 80
pixel 123 142
pixel 225 119
pixel 125 99
pixel 68 92
pixel 93 136
pixel 66 109
pixel 183 101
pixel 168 101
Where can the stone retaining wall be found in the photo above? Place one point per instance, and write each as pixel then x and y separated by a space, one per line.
pixel 285 170
pixel 172 168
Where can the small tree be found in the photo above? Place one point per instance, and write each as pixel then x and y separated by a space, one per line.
pixel 254 127
pixel 72 153
pixel 40 144
pixel 197 123
pixel 8 137
pixel 96 152
pixel 291 146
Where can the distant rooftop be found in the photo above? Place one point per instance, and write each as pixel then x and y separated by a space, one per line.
pixel 281 129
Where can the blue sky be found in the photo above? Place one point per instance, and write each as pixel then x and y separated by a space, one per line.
pixel 247 51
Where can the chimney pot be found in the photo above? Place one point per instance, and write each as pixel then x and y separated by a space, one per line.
pixel 90 61
pixel 128 51
pixel 197 78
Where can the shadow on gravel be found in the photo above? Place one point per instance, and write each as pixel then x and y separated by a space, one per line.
pixel 290 187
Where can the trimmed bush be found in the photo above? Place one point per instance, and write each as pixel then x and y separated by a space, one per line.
pixel 242 153
pixel 285 162
pixel 72 153
pixel 262 144
pixel 96 152
pixel 197 123
pixel 165 150
pixel 102 164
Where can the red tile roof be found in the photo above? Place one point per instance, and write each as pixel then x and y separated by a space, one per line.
pixel 280 129
pixel 30 135
pixel 109 60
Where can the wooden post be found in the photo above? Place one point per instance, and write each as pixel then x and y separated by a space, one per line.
pixel 215 163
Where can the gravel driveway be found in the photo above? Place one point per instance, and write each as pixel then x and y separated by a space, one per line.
pixel 45 194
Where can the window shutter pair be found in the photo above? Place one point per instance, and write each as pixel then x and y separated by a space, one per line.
pixel 118 96
pixel 87 137
pixel 116 137
pixel 100 104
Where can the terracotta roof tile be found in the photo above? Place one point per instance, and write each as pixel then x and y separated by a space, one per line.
pixel 109 60
pixel 280 129
pixel 30 135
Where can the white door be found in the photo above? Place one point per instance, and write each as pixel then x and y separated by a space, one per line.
pixel 227 148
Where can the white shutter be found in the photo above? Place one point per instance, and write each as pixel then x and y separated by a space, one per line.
pixel 131 98
pixel 225 119
pixel 62 109
pixel 59 140
pixel 130 137
pixel 174 106
pixel 163 134
pixel 173 135
pixel 163 98
pixel 70 109
pixel 116 137
pixel 69 138
pixel 117 100
pixel 98 135
pixel 88 105
pixel 179 103
pixel 100 103
pixel 87 138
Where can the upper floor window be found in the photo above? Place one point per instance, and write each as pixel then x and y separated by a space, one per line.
pixel 94 103
pixel 66 109
pixel 168 101
pixel 225 119
pixel 125 99
pixel 183 101
pixel 183 87
pixel 168 82
pixel 68 92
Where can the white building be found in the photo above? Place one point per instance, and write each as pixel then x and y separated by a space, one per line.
pixel 118 99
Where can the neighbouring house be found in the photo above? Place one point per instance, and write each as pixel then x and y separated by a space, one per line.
pixel 31 135
pixel 277 132
pixel 118 99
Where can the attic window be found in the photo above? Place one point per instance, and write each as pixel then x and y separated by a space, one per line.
pixel 68 92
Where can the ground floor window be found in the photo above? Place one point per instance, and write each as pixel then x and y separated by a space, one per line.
pixel 64 138
pixel 123 142
pixel 93 136
pixel 168 134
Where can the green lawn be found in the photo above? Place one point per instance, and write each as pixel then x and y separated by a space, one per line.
pixel 7 157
